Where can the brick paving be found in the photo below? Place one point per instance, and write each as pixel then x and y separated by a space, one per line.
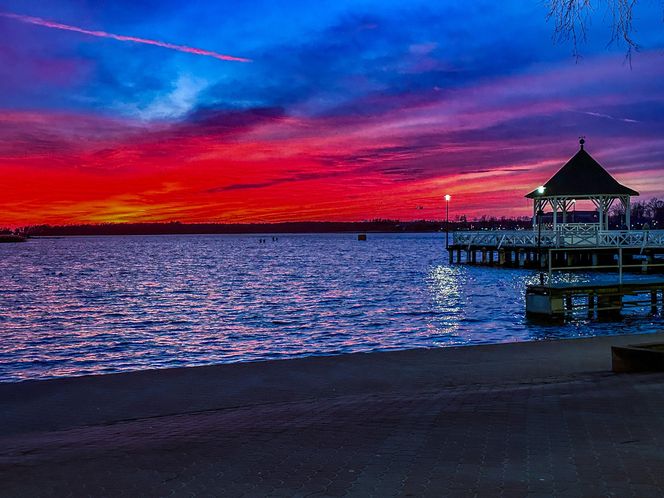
pixel 594 434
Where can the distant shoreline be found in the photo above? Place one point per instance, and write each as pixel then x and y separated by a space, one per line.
pixel 264 234
pixel 176 228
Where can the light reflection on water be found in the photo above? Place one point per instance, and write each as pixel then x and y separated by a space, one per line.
pixel 75 306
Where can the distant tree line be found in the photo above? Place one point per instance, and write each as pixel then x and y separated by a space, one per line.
pixel 647 212
pixel 377 225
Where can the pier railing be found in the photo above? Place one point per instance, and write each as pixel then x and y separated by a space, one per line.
pixel 563 237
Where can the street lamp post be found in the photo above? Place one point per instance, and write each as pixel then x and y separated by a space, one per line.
pixel 539 244
pixel 447 221
pixel 540 213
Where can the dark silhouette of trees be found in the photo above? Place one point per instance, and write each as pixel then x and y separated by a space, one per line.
pixel 646 211
pixel 378 225
pixel 650 212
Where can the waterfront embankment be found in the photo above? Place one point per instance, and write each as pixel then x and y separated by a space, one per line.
pixel 543 417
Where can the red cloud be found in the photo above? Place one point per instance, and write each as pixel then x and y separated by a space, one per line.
pixel 484 146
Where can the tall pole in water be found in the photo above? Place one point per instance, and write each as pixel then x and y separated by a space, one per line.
pixel 447 221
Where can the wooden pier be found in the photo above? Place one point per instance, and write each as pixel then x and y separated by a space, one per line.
pixel 558 243
pixel 593 299
pixel 570 246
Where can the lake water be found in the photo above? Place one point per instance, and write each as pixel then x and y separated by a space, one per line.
pixel 81 305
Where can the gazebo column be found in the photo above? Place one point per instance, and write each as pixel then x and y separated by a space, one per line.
pixel 628 209
pixel 554 203
pixel 600 212
pixel 567 204
pixel 609 203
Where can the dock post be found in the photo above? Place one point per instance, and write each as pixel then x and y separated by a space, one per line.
pixel 520 256
pixel 609 305
pixel 591 304
pixel 458 256
pixel 483 253
pixel 501 257
pixel 568 303
pixel 594 259
pixel 450 256
pixel 491 257
pixel 653 302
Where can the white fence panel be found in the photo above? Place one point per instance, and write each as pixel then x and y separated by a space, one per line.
pixel 566 237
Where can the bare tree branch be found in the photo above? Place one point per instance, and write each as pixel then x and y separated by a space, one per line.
pixel 571 18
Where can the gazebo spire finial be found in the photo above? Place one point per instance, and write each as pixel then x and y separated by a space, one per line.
pixel 582 140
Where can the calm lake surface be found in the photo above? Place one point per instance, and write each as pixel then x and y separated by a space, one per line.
pixel 81 305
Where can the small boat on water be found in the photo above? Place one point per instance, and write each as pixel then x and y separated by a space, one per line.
pixel 10 237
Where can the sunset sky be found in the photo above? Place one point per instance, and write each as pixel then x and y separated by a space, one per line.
pixel 161 110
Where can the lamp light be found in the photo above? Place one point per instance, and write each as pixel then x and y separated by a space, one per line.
pixel 447 220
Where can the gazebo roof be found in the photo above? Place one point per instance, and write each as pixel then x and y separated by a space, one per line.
pixel 582 176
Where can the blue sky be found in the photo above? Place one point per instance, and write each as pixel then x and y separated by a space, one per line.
pixel 406 100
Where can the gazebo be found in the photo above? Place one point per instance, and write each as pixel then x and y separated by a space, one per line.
pixel 581 178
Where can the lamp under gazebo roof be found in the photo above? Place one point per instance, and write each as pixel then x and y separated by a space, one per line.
pixel 581 178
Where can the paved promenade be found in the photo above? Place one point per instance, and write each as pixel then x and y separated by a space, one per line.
pixel 531 419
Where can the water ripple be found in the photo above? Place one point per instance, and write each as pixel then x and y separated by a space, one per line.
pixel 80 305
